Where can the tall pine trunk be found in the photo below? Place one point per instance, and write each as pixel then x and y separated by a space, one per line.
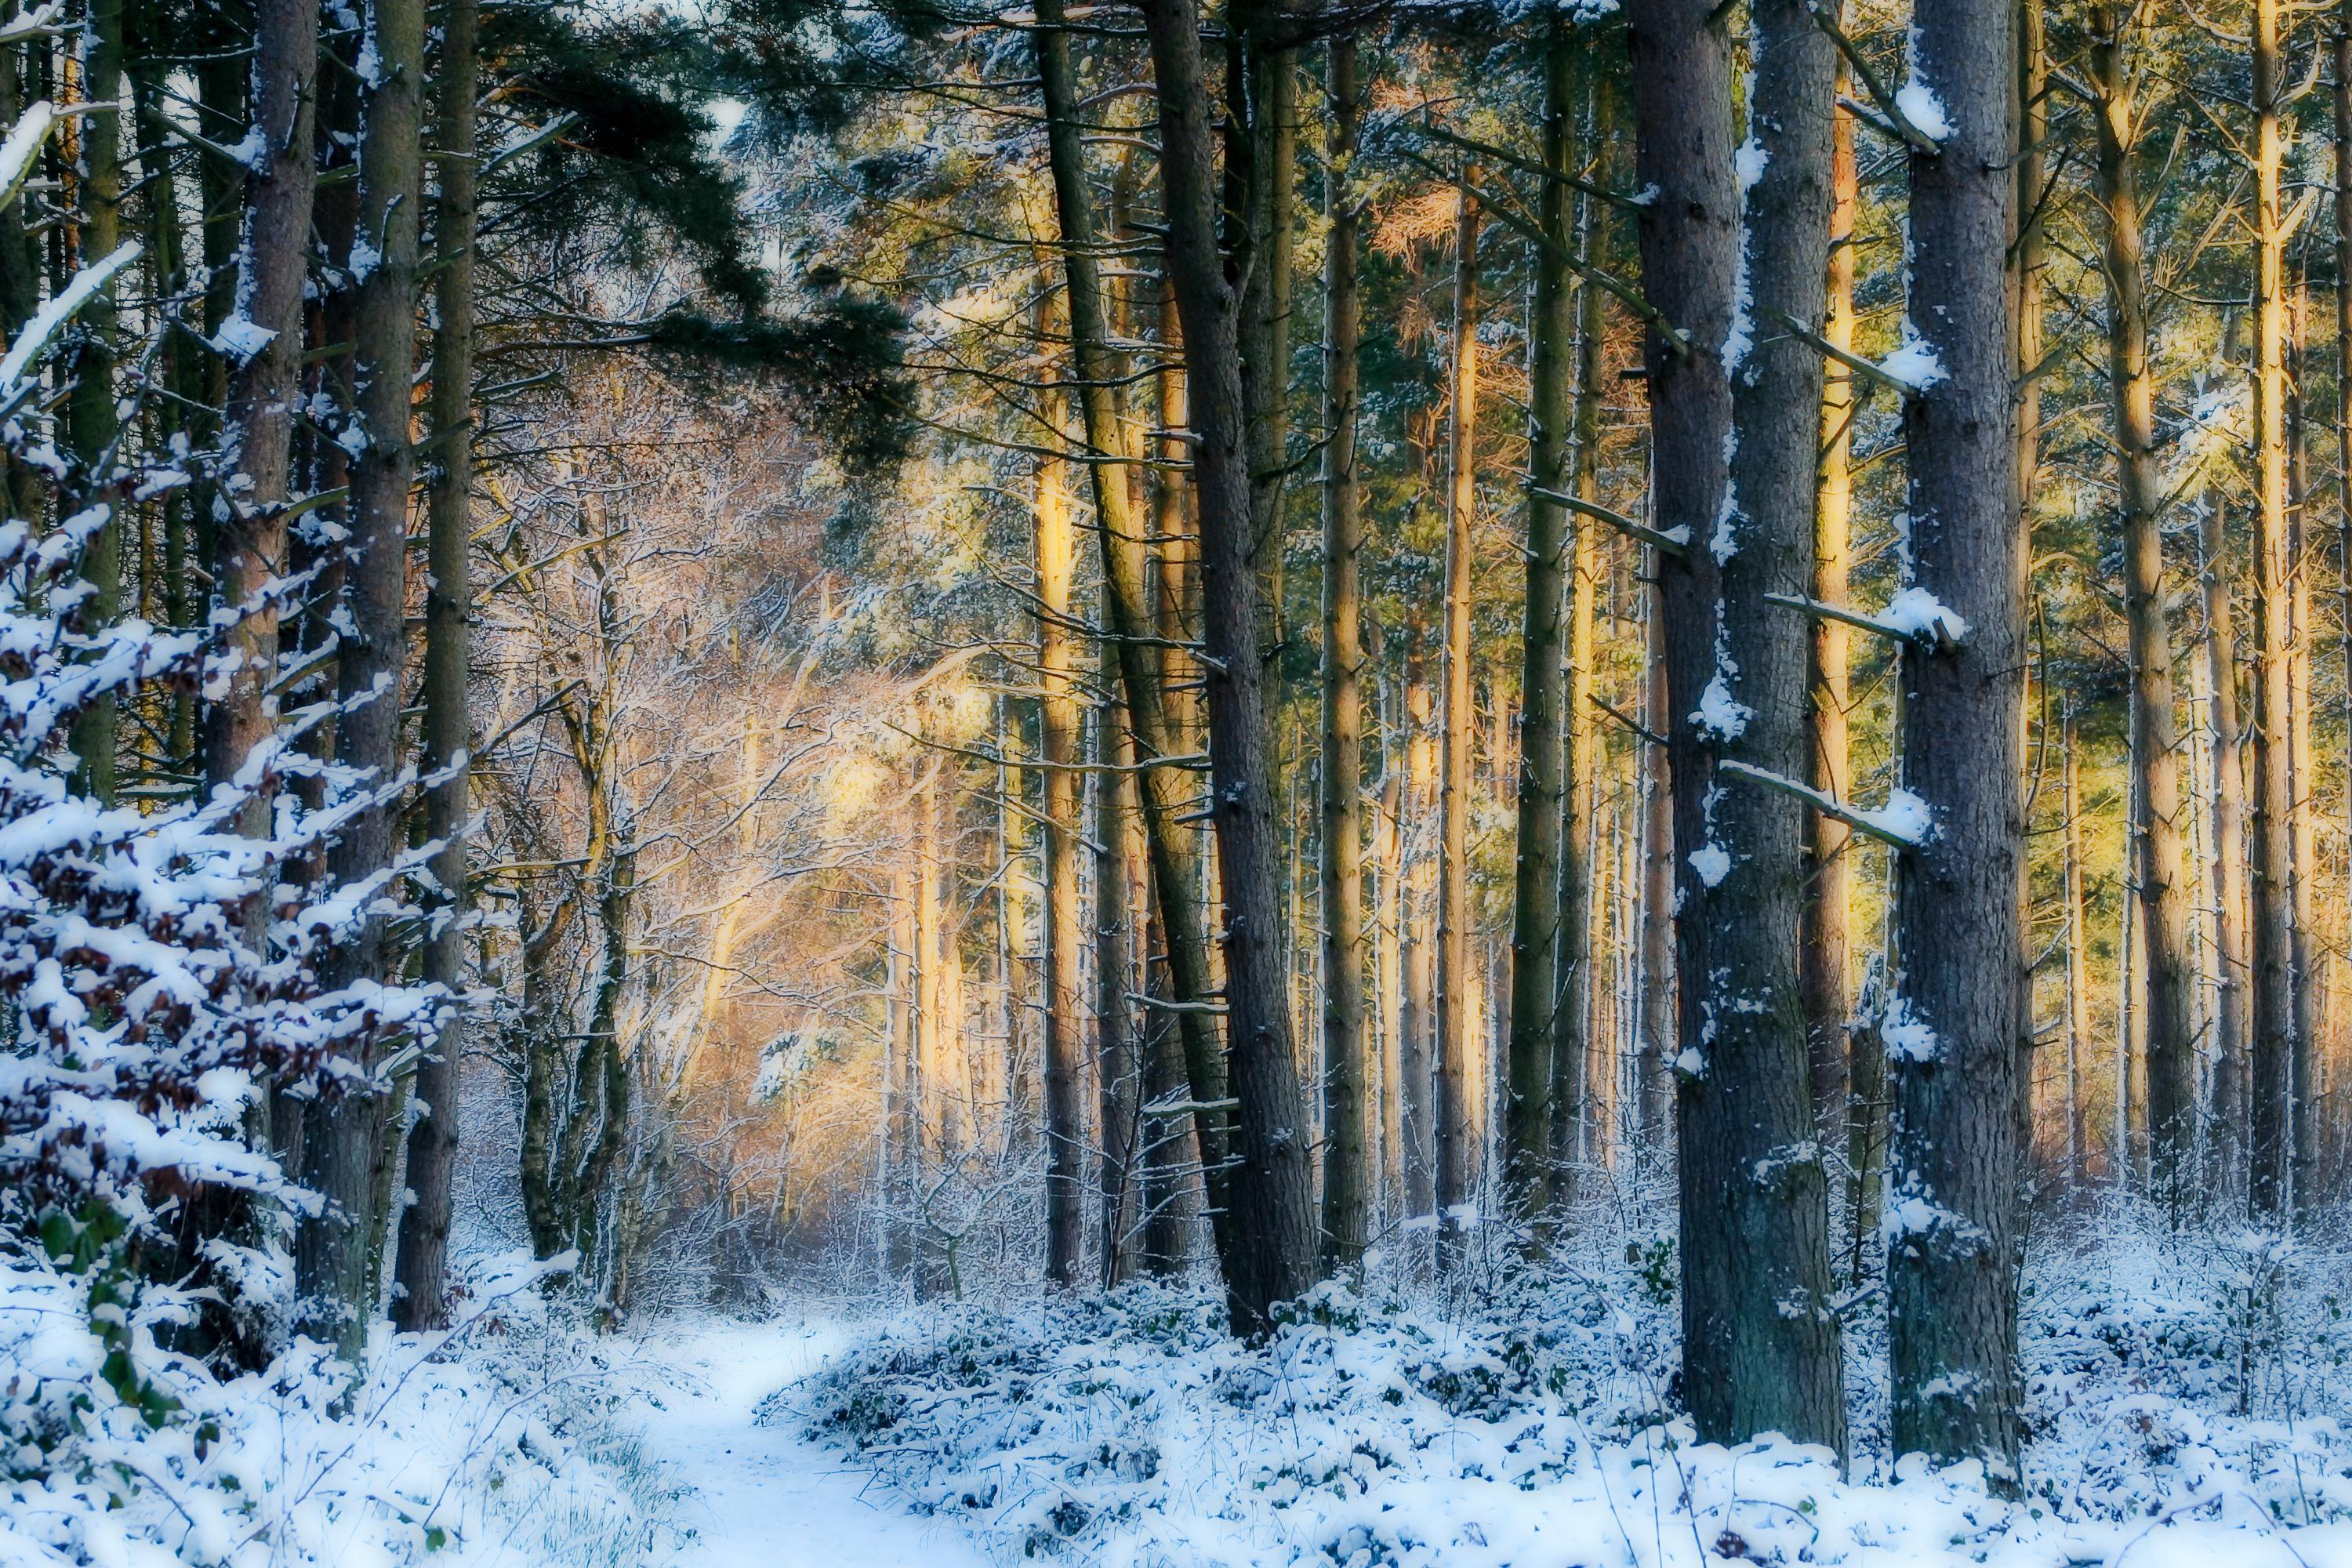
pixel 337 1256
pixel 1274 1255
pixel 1760 1343
pixel 2271 1013
pixel 2158 871
pixel 91 422
pixel 1824 953
pixel 1573 986
pixel 1347 1107
pixel 433 1142
pixel 1953 1026
pixel 1458 1087
pixel 250 533
pixel 1057 731
pixel 1540 935
pixel 2227 872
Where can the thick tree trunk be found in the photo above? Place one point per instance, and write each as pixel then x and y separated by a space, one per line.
pixel 1458 1088
pixel 1347 1184
pixel 1952 1030
pixel 1269 1199
pixel 1825 952
pixel 448 599
pixel 1761 1345
pixel 2272 1021
pixel 336 1257
pixel 1540 933
pixel 2159 872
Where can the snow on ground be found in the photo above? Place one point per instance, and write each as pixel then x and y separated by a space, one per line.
pixel 2184 1402
pixel 745 1488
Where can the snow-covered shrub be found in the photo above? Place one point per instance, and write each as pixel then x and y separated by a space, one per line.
pixel 157 976
pixel 1544 1425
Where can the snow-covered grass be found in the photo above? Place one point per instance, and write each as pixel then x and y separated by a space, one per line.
pixel 498 1446
pixel 2184 1397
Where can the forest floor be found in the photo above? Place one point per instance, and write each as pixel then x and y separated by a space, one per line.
pixel 754 1493
pixel 2186 1403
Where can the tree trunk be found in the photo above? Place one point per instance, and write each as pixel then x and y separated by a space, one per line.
pixel 258 434
pixel 1652 1078
pixel 91 422
pixel 1759 1346
pixel 1952 1030
pixel 1825 952
pixel 1456 1004
pixel 2272 1023
pixel 336 1256
pixel 1345 1105
pixel 2078 959
pixel 1540 935
pixel 1117 1063
pixel 1270 1195
pixel 2302 839
pixel 2160 875
pixel 1267 1231
pixel 2227 873
pixel 1573 987
pixel 1417 908
pixel 1058 732
pixel 449 599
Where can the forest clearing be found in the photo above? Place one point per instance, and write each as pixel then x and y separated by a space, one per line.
pixel 1183 784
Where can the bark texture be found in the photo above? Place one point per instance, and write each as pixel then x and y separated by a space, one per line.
pixel 1952 1030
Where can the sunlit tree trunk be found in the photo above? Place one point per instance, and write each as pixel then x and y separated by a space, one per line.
pixel 2271 1019
pixel 2227 875
pixel 1269 1194
pixel 1952 1032
pixel 2159 872
pixel 1417 908
pixel 1824 959
pixel 1057 729
pixel 1542 937
pixel 1458 1086
pixel 2078 959
pixel 1574 985
pixel 1347 1106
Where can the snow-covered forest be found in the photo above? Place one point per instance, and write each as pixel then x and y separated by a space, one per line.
pixel 1190 784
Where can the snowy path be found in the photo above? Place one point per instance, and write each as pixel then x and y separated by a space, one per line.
pixel 762 1496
